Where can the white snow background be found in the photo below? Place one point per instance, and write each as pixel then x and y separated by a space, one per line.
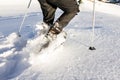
pixel 19 59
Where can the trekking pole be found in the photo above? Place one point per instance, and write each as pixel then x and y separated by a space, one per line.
pixel 24 18
pixel 93 29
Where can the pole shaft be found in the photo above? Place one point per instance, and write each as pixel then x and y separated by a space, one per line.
pixel 24 17
pixel 93 24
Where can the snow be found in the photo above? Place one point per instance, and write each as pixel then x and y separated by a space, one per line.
pixel 16 7
pixel 104 7
pixel 20 58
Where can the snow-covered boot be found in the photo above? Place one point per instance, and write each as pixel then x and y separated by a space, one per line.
pixel 56 28
pixel 51 37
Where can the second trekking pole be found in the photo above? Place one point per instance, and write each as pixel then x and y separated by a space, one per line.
pixel 93 29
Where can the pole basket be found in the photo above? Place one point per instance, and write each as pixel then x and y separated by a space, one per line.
pixel 92 48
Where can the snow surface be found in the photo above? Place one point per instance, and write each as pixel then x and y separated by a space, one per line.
pixel 17 7
pixel 19 59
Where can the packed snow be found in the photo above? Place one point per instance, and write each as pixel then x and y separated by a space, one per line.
pixel 20 58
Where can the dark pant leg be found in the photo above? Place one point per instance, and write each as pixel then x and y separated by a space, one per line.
pixel 70 9
pixel 48 11
pixel 65 18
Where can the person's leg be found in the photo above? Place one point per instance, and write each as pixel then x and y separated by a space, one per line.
pixel 48 11
pixel 70 9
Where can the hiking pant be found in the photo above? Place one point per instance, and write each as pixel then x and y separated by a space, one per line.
pixel 69 8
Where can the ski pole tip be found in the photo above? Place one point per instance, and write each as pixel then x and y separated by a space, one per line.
pixel 92 48
pixel 18 34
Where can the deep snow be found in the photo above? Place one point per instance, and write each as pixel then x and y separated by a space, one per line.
pixel 19 59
